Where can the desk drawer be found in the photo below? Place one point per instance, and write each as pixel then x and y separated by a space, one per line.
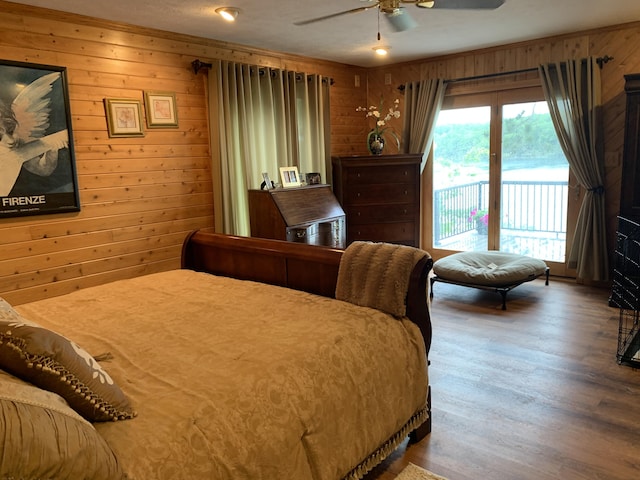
pixel 302 234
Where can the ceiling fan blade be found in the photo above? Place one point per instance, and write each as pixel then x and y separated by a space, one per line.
pixel 466 4
pixel 400 20
pixel 333 15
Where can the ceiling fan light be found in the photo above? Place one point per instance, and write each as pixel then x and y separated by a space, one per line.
pixel 400 20
pixel 228 13
pixel 425 4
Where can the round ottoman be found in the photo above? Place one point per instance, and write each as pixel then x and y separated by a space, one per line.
pixel 492 270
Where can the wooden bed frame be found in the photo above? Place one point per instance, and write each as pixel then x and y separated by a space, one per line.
pixel 309 268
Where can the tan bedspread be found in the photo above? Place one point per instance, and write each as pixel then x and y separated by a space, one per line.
pixel 240 380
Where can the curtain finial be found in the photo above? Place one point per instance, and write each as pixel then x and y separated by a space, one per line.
pixel 198 65
pixel 602 60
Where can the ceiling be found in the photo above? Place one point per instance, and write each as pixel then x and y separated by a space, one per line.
pixel 270 24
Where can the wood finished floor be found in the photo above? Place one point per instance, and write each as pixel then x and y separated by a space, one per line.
pixel 533 392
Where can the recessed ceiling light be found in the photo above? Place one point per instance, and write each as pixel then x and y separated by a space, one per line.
pixel 425 4
pixel 228 13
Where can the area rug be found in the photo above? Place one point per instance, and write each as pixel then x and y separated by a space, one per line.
pixel 414 472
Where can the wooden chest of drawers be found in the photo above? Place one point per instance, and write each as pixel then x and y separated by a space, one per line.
pixel 380 196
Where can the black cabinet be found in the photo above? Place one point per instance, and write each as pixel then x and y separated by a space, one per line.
pixel 630 191
pixel 625 289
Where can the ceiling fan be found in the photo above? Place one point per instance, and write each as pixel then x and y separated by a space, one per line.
pixel 397 15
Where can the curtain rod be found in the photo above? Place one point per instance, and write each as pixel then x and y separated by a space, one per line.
pixel 198 65
pixel 600 61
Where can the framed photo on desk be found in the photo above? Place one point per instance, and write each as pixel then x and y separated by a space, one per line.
pixel 290 177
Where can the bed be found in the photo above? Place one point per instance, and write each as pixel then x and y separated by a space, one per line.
pixel 240 365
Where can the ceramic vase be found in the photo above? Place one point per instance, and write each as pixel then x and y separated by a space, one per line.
pixel 375 143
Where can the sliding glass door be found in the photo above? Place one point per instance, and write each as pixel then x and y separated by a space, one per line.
pixel 500 179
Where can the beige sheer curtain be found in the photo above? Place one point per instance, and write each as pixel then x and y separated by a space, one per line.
pixel 573 91
pixel 265 119
pixel 422 103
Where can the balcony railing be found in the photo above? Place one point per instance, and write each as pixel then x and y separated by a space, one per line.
pixel 530 210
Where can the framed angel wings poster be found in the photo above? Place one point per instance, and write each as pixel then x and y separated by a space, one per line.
pixel 37 160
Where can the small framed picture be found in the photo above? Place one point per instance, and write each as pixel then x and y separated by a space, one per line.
pixel 124 117
pixel 290 177
pixel 267 184
pixel 161 109
pixel 313 178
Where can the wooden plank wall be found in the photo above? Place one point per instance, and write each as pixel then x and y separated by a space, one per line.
pixel 621 42
pixel 139 196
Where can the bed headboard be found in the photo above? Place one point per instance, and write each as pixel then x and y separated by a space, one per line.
pixel 310 268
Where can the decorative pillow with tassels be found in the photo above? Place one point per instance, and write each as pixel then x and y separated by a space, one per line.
pixel 53 362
